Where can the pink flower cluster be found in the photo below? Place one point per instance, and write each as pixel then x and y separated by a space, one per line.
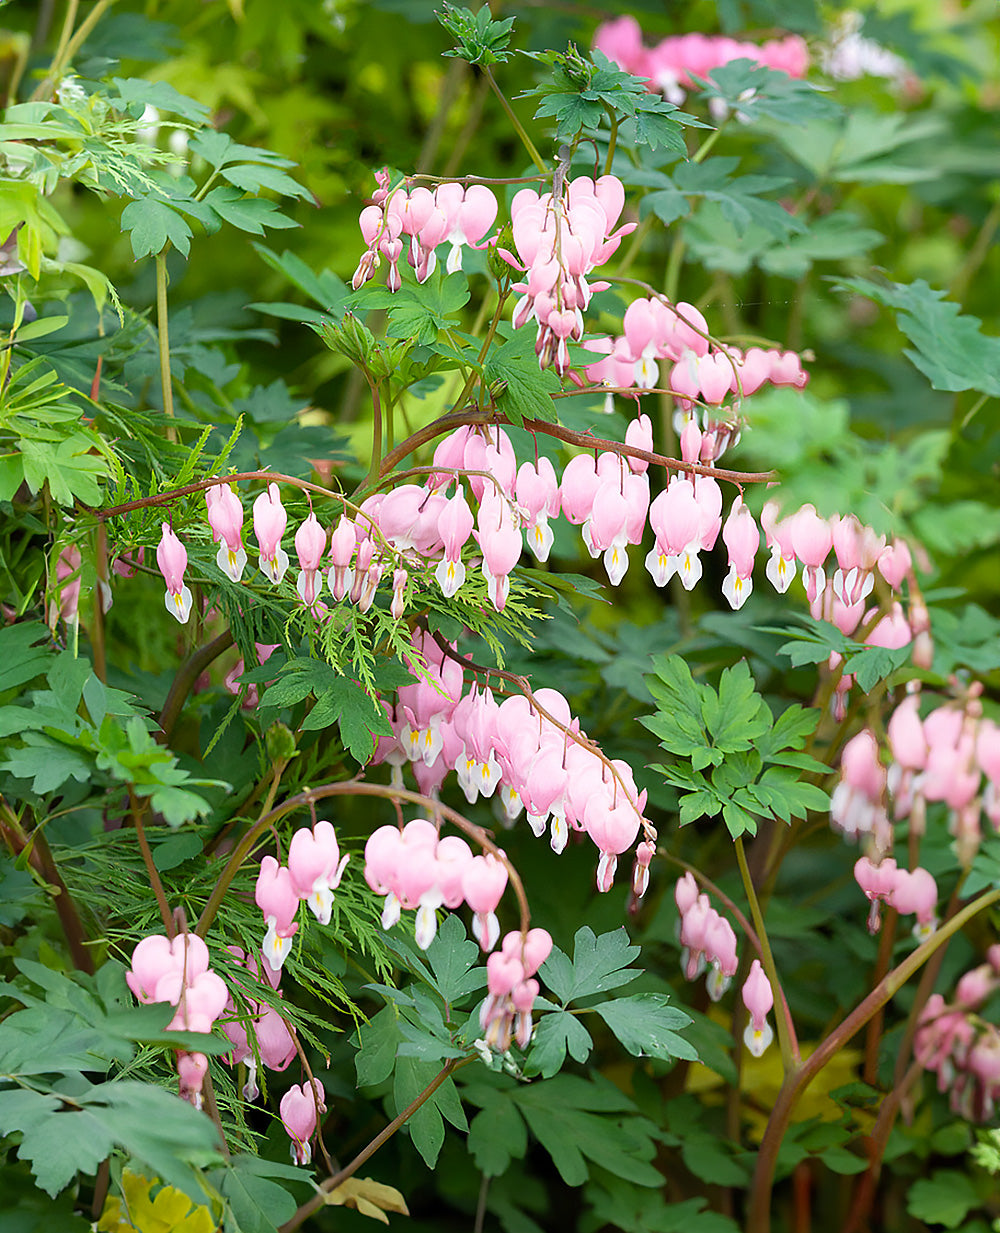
pixel 265 1028
pixel 951 756
pixel 416 868
pixel 560 240
pixel 670 66
pixel 510 746
pixel 299 1108
pixel 705 937
pixel 313 873
pixel 655 330
pixel 506 1013
pixel 910 892
pixel 960 1046
pixel 708 939
pixel 451 214
pixel 176 970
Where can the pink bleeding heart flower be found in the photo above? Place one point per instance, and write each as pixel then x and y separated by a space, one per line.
pixel 310 544
pixel 225 517
pixel 299 1108
pixel 171 558
pixel 484 880
pixel 758 999
pixel 742 539
pixel 278 899
pixel 454 526
pixel 269 522
pixel 342 544
pixel 316 867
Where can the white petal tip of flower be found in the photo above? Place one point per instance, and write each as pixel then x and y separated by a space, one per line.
pixel 178 604
pixel 758 1039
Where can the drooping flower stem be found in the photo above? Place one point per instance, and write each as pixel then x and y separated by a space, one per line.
pixel 787 1042
pixel 376 459
pixel 147 858
pixel 163 341
pixel 759 1211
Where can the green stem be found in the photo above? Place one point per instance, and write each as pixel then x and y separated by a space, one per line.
pixel 759 1213
pixel 787 1042
pixel 675 261
pixel 706 145
pixel 66 51
pixel 376 459
pixel 519 128
pixel 55 68
pixel 612 142
pixel 163 340
pixel 40 857
pixel 977 253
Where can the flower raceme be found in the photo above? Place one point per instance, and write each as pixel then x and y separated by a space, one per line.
pixel 314 870
pixel 512 748
pixel 962 1048
pixel 706 938
pixel 505 1015
pixel 951 757
pixel 671 66
pixel 177 971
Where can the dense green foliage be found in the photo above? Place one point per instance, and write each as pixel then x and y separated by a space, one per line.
pixel 158 331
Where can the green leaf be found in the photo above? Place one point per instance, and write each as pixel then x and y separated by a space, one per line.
pixel 786 796
pixel 480 39
pixel 378 1040
pixel 253 177
pixel 754 92
pixel 569 1117
pixel 251 214
pixel 258 1204
pixel 135 91
pixel 557 1033
pixel 712 1160
pixel 57 1142
pixel 453 959
pixel 426 1126
pixel 69 468
pixel 176 850
pixel 946 1197
pixel 47 763
pixel 359 718
pixel 25 652
pixel 740 198
pixel 62 1137
pixel 527 389
pixel 737 716
pixel 325 289
pixel 647 1026
pixel 948 347
pixel 875 663
pixel 497 1136
pixel 599 964
pixel 153 225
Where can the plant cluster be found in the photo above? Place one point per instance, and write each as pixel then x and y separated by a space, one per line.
pixel 365 701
